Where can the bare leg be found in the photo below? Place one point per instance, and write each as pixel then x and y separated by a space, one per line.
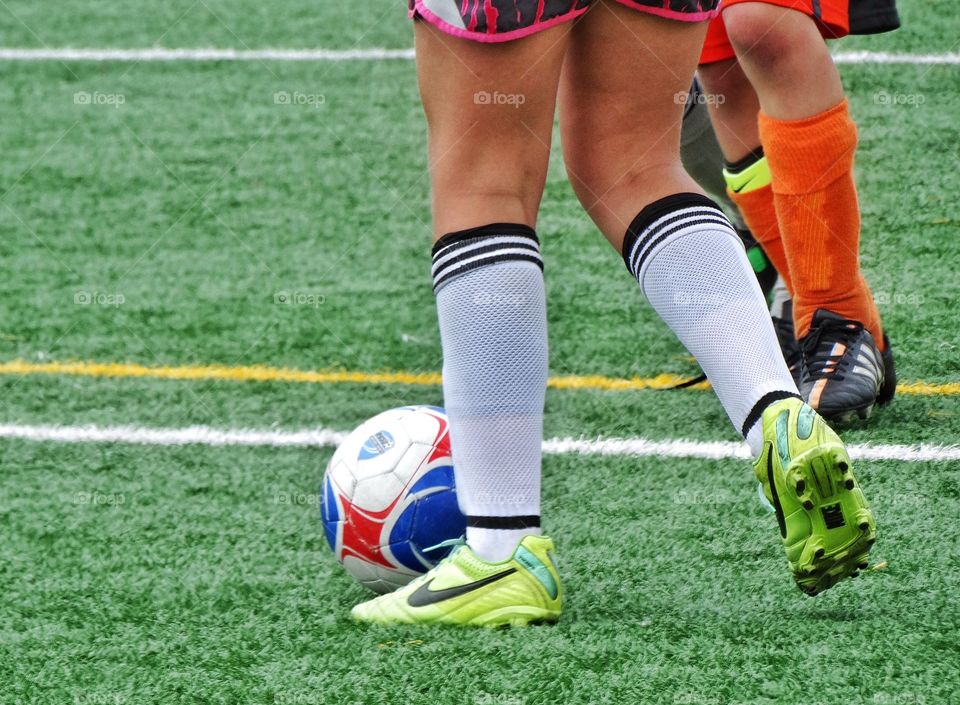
pixel 735 120
pixel 621 136
pixel 621 139
pixel 734 117
pixel 490 114
pixel 489 111
pixel 785 58
pixel 809 140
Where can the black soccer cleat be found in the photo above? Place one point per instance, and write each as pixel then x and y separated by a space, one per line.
pixel 843 373
pixel 889 387
pixel 789 345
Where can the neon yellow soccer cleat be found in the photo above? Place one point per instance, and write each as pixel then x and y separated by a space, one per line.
pixel 825 523
pixel 465 590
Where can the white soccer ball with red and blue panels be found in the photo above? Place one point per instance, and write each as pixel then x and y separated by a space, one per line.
pixel 389 497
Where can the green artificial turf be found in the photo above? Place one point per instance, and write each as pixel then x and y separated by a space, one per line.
pixel 200 575
pixel 199 200
pixel 164 224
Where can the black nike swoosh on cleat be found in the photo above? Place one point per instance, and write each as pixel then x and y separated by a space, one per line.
pixel 776 498
pixel 424 596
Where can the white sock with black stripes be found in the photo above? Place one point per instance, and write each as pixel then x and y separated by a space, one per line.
pixel 493 327
pixel 692 268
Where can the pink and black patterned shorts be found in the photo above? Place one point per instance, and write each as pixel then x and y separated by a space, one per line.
pixel 503 20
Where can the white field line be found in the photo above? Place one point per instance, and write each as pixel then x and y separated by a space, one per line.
pixel 325 438
pixel 883 57
pixel 373 54
pixel 201 54
pixel 199 435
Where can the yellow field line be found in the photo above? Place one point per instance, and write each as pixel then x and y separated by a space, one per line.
pixel 253 373
pixel 262 373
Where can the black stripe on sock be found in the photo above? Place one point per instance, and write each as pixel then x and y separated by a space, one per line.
pixel 465 250
pixel 491 230
pixel 454 258
pixel 655 237
pixel 531 521
pixel 766 400
pixel 492 259
pixel 745 162
pixel 453 255
pixel 657 209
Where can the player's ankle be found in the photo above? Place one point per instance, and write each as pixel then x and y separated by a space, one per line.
pixel 752 429
pixel 494 544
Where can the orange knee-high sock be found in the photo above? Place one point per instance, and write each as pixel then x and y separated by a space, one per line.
pixel 811 164
pixel 760 215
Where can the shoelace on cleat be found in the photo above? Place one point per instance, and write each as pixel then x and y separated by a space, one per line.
pixel 820 342
pixel 454 543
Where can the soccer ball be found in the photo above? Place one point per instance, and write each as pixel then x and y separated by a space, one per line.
pixel 389 497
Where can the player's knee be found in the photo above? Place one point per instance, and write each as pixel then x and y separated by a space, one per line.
pixel 512 170
pixel 759 39
pixel 499 191
pixel 594 172
pixel 607 191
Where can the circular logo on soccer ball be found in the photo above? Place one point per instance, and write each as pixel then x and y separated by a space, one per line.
pixel 378 444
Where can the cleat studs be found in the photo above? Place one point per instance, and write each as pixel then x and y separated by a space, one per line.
pixel 843 466
pixel 849 483
pixel 862 566
pixel 863 526
pixel 855 574
pixel 819 554
pixel 870 542
pixel 808 505
pixel 801 486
